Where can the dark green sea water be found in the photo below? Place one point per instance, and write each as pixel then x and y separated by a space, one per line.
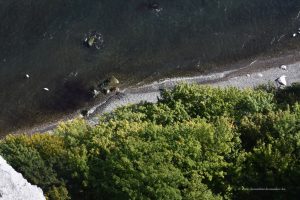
pixel 141 39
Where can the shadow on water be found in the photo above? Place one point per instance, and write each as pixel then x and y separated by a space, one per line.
pixel 71 95
pixel 141 38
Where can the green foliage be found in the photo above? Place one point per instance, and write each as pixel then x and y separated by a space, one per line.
pixel 165 159
pixel 26 159
pixel 209 102
pixel 58 193
pixel 273 142
pixel 283 97
pixel 197 142
pixel 289 95
pixel 44 160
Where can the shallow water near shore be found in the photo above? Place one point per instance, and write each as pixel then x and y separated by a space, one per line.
pixel 141 41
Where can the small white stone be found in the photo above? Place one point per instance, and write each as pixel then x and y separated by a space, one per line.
pixel 27 76
pixel 281 81
pixel 96 92
pixel 46 89
pixel 260 75
pixel 295 34
pixel 283 67
pixel 248 75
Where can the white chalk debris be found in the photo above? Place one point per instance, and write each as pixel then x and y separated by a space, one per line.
pixel 27 76
pixel 46 89
pixel 106 91
pixel 260 75
pixel 283 67
pixel 13 186
pixel 281 81
pixel 295 34
pixel 95 93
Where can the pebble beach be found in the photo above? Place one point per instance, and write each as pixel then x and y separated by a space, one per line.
pixel 250 74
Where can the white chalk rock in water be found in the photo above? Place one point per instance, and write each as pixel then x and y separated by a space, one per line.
pixel 14 187
pixel 96 93
pixel 283 67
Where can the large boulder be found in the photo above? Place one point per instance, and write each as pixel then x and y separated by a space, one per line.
pixel 14 187
pixel 109 85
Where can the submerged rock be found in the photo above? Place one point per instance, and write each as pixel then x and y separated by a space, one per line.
pixel 148 6
pixel 93 39
pixel 95 93
pixel 153 6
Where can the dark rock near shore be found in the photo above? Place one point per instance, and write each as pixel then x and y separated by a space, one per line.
pixel 114 89
pixel 84 113
pixel 105 91
pixel 109 85
pixel 113 80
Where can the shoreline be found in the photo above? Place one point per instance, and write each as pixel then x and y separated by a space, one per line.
pixel 261 70
pixel 236 78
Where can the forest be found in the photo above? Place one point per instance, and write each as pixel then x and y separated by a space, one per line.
pixel 196 142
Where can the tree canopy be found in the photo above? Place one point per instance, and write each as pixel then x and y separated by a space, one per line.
pixel 196 142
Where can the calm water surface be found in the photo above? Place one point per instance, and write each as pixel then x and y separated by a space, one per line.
pixel 141 39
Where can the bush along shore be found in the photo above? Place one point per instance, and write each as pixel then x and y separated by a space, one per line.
pixel 196 142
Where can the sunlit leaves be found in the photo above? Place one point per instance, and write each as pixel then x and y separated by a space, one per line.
pixel 197 142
